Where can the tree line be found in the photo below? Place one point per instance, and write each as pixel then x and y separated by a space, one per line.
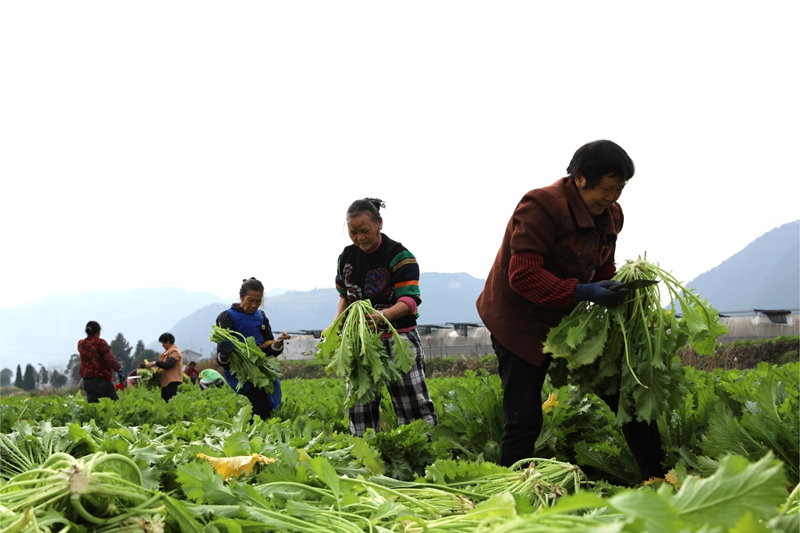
pixel 30 379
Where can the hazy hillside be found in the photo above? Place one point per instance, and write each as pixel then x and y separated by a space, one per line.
pixel 446 298
pixel 763 275
pixel 47 331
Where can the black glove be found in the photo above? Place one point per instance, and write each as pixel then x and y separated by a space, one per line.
pixel 600 293
pixel 224 350
pixel 225 347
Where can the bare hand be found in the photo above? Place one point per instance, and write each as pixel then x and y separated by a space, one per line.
pixel 374 320
pixel 279 341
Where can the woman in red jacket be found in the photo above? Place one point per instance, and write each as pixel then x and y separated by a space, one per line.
pixel 98 365
pixel 558 249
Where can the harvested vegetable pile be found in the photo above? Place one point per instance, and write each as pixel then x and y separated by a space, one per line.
pixel 248 360
pixel 630 349
pixel 356 351
pixel 102 492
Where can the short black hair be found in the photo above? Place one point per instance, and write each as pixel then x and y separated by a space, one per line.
pixel 167 338
pixel 92 327
pixel 600 158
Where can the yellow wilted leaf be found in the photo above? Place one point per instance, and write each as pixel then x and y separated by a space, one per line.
pixel 672 478
pixel 229 467
pixel 552 401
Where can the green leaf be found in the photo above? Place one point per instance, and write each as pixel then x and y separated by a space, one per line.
pixel 368 456
pixel 242 418
pixel 576 502
pixel 654 511
pixel 201 484
pixel 738 487
pixel 498 505
pixel 590 350
pixel 403 352
pixel 325 471
pixel 748 524
pixel 187 521
pixel 237 444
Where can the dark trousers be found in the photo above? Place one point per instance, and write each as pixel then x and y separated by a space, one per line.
pixel 170 390
pixel 262 406
pixel 522 409
pixel 644 441
pixel 97 388
pixel 522 404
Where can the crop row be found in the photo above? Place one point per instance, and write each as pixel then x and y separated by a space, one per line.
pixel 750 414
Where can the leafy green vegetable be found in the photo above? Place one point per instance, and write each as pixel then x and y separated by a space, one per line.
pixel 248 360
pixel 630 349
pixel 148 378
pixel 356 351
pixel 737 487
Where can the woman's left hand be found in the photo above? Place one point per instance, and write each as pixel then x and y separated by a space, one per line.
pixel 375 320
pixel 279 341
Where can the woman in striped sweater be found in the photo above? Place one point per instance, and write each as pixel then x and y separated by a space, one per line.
pixel 382 270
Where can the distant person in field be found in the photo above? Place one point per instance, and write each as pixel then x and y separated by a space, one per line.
pixel 171 364
pixel 210 378
pixel 381 270
pixel 133 375
pixel 246 318
pixel 98 365
pixel 558 250
pixel 191 371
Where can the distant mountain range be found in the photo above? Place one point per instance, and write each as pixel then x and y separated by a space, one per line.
pixel 47 331
pixel 763 275
pixel 445 298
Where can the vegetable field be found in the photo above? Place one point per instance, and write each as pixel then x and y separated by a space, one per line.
pixel 197 463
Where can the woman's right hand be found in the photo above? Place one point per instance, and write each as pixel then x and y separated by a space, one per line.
pixel 225 347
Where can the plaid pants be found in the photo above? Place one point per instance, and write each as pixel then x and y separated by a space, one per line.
pixel 409 396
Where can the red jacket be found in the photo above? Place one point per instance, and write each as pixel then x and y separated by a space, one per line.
pixel 551 244
pixel 97 361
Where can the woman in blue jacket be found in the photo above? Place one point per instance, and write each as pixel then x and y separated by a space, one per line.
pixel 246 318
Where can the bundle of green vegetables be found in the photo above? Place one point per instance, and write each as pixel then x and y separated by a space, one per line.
pixel 354 346
pixel 630 350
pixel 150 378
pixel 248 360
pixel 100 492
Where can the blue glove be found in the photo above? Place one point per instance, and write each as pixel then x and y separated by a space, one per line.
pixel 121 376
pixel 600 293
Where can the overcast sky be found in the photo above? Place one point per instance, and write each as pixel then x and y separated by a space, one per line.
pixel 193 144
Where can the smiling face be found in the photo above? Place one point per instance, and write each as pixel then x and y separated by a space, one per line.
pixel 599 197
pixel 251 301
pixel 365 232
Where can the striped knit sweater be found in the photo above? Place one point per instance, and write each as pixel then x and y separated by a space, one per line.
pixel 382 276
